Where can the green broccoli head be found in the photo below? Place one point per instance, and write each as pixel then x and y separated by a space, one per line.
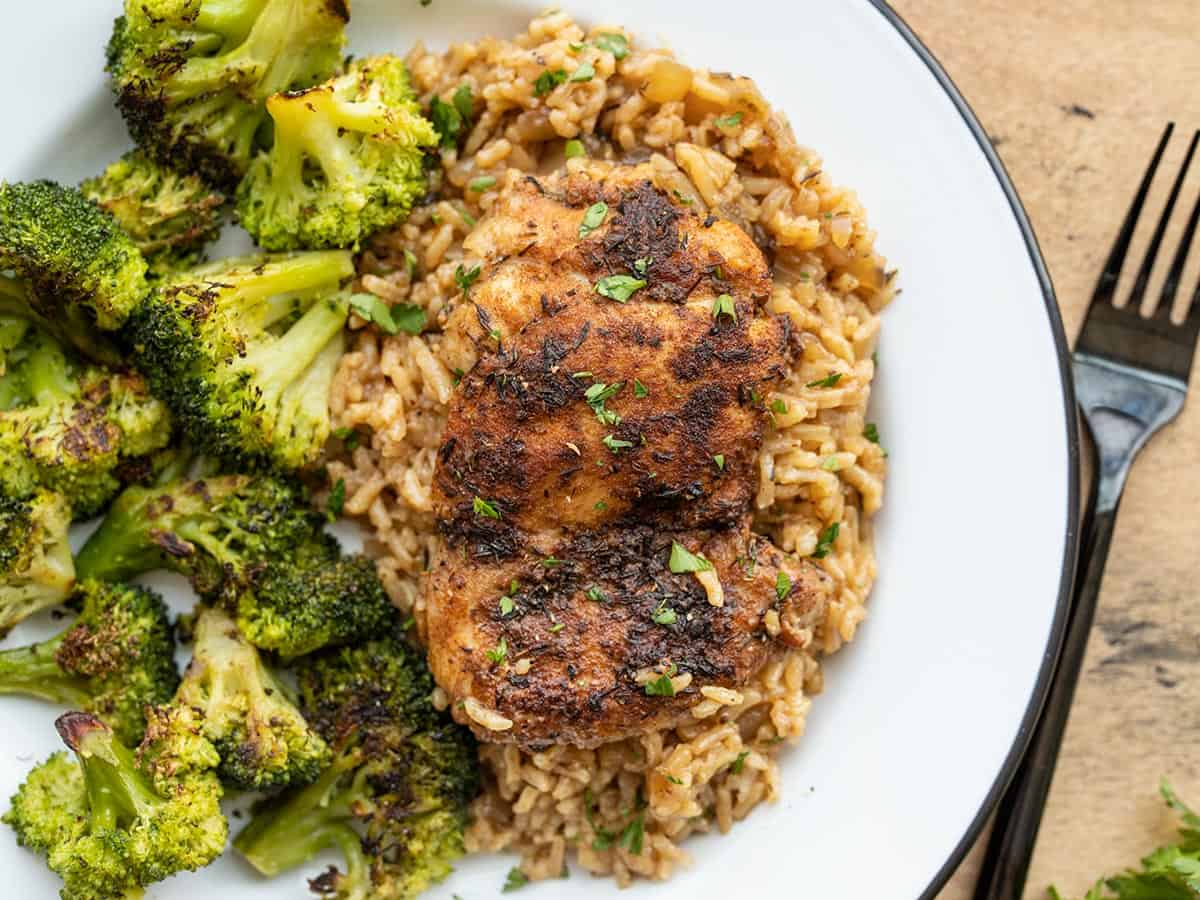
pixel 263 741
pixel 192 76
pixel 112 821
pixel 218 531
pixel 82 430
pixel 170 216
pixel 73 269
pixel 394 801
pixel 36 569
pixel 313 598
pixel 245 351
pixel 114 661
pixel 346 162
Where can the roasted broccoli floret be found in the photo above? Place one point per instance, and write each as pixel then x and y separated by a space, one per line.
pixel 81 430
pixel 262 739
pixel 245 351
pixel 114 821
pixel 191 76
pixel 313 598
pixel 394 800
pixel 346 162
pixel 218 531
pixel 69 266
pixel 116 659
pixel 171 216
pixel 36 570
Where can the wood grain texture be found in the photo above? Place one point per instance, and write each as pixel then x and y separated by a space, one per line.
pixel 1075 93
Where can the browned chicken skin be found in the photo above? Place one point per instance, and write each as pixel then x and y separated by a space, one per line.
pixel 588 437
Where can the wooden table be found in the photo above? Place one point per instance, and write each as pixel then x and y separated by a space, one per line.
pixel 1075 94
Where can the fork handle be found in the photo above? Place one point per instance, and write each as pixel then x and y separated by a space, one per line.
pixel 1019 815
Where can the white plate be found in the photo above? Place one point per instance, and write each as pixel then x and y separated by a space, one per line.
pixel 924 714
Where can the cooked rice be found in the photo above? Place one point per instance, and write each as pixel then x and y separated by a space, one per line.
pixel 817 467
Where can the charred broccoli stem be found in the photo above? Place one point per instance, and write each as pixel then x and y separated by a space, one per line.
pixel 395 798
pixel 112 821
pixel 244 353
pixel 81 430
pixel 170 216
pixel 217 531
pixel 263 741
pixel 346 161
pixel 116 659
pixel 191 76
pixel 313 598
pixel 36 570
pixel 73 269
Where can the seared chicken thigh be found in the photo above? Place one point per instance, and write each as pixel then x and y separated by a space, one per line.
pixel 599 464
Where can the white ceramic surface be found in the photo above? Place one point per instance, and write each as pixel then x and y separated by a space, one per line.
pixel 921 713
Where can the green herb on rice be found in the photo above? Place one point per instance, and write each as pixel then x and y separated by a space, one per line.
pixel 828 381
pixel 548 81
pixel 826 540
pixel 616 44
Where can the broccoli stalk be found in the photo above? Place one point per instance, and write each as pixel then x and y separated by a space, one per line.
pixel 117 658
pixel 77 429
pixel 170 216
pixel 346 162
pixel 115 821
pixel 244 353
pixel 218 531
pixel 395 798
pixel 191 76
pixel 36 570
pixel 262 739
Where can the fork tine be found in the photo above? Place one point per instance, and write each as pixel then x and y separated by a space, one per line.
pixel 1171 285
pixel 1143 275
pixel 1106 286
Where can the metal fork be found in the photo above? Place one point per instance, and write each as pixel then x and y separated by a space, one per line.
pixel 1131 376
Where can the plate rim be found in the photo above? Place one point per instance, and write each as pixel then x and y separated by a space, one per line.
pixel 1071 538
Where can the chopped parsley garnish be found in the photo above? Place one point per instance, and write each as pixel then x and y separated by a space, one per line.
pixel 549 562
pixel 826 539
pixel 723 306
pixel 372 309
pixel 410 264
pixel 507 605
pixel 740 763
pixel 483 508
pixel 616 44
pixel 634 834
pixel 684 560
pixel 482 183
pixel 871 433
pixel 451 120
pixel 467 217
pixel 831 464
pixel 494 334
pixel 584 374
pixel 593 218
pixel 778 406
pixel 465 277
pixel 408 318
pixel 600 393
pixel 719 459
pixel 619 287
pixel 408 623
pixel 783 585
pixel 641 264
pixel 556 627
pixel 600 506
pixel 574 149
pixel 662 686
pixel 548 81
pixel 575 48
pixel 683 198
pixel 596 595
pixel 640 390
pixel 603 837
pixel 347 436
pixel 674 780
pixel 500 654
pixel 585 72
pixel 730 121
pixel 337 500
pixel 828 381
pixel 664 615
pixel 615 444
pixel 464 102
pixel 515 881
